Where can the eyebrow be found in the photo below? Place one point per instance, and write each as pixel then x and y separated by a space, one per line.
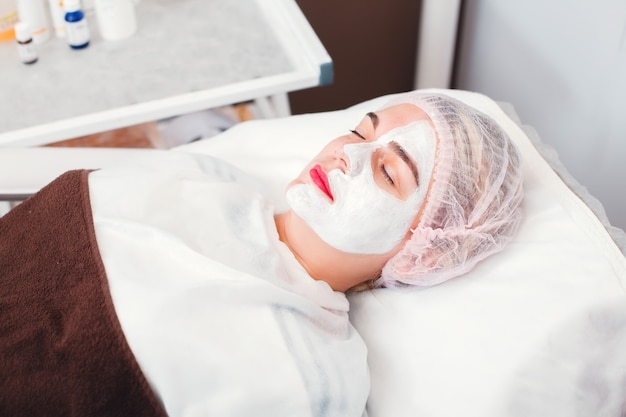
pixel 374 118
pixel 399 150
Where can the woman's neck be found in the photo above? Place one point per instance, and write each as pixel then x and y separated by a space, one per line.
pixel 340 270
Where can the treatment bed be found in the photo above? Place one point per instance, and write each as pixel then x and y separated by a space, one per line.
pixel 538 329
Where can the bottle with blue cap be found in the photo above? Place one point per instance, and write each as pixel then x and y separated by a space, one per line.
pixel 76 28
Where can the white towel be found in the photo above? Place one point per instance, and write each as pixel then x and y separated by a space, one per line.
pixel 219 314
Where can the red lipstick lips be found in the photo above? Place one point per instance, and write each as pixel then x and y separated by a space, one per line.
pixel 320 179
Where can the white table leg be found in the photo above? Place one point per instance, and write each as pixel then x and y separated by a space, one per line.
pixel 273 106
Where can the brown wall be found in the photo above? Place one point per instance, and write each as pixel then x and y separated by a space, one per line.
pixel 372 44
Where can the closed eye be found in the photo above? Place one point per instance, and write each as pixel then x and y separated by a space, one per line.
pixel 385 173
pixel 354 132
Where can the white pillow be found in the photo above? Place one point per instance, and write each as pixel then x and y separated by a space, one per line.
pixel 536 330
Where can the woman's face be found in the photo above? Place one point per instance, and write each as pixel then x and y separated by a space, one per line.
pixel 363 191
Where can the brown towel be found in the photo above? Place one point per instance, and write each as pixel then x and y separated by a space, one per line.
pixel 62 350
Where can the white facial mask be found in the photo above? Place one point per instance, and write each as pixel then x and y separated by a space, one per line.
pixel 364 218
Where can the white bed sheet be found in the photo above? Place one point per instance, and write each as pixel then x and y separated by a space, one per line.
pixel 539 329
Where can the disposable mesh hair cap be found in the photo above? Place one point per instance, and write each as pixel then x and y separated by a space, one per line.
pixel 472 207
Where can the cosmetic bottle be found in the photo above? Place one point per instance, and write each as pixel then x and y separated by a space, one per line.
pixel 116 18
pixel 8 19
pixel 26 48
pixel 33 13
pixel 76 29
pixel 58 17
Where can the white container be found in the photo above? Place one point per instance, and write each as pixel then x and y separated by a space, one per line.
pixel 87 6
pixel 33 13
pixel 116 18
pixel 58 14
pixel 8 19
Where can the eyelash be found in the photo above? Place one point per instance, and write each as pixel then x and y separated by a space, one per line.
pixel 386 175
pixel 354 132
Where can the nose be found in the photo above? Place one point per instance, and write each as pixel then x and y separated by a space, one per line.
pixel 356 156
pixel 338 158
pixel 343 161
pixel 342 156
